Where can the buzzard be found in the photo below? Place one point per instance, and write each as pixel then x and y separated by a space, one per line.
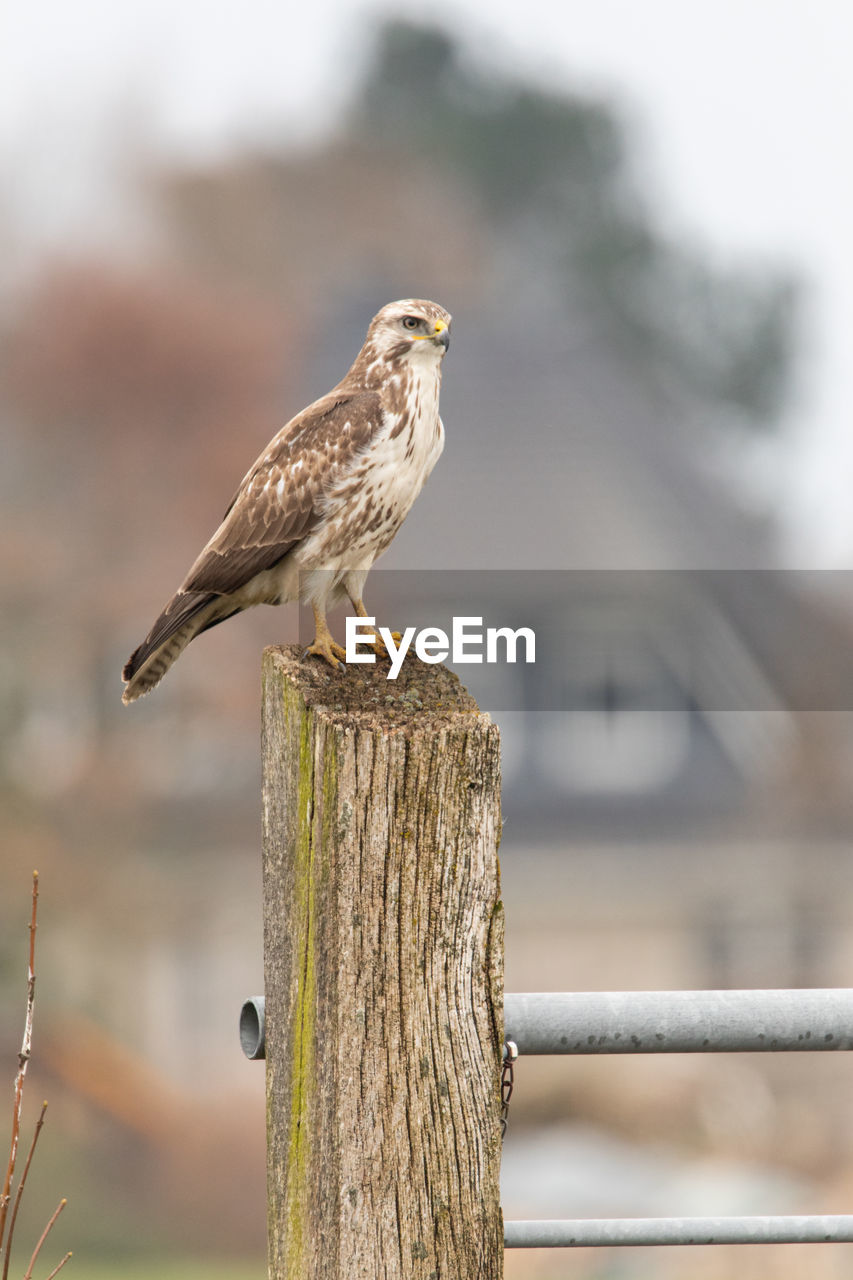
pixel 323 500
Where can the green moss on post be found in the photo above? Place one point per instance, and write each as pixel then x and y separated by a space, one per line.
pixel 383 946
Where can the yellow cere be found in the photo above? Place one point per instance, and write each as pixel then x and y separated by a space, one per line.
pixel 424 337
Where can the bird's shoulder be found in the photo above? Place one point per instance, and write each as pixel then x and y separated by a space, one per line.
pixel 281 498
pixel 309 450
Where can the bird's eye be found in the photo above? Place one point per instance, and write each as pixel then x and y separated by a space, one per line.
pixel 410 322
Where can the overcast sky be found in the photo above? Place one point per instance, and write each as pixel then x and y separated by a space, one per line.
pixel 743 111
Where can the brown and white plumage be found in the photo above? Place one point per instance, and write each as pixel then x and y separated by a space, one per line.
pixel 325 497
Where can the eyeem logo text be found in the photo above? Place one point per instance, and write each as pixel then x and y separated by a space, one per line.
pixel 466 643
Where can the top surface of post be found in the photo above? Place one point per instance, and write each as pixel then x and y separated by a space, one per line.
pixel 365 698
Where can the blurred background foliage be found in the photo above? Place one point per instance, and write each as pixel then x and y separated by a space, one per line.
pixel 553 172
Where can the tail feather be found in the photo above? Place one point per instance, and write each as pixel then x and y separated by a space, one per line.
pixel 186 614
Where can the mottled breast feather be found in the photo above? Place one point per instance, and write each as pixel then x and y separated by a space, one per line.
pixel 280 500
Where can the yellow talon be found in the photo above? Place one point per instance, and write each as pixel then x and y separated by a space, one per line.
pixel 324 646
pixel 332 652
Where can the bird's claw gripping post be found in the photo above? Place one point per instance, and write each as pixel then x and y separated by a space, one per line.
pixel 329 652
pixel 324 646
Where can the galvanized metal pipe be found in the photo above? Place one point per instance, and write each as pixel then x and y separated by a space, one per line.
pixel 576 1233
pixel 654 1021
pixel 253 1040
pixel 679 1021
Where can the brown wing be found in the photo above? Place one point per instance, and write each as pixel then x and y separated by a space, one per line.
pixel 280 499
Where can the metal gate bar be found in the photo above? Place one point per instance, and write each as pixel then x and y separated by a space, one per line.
pixel 679 1021
pixel 581 1232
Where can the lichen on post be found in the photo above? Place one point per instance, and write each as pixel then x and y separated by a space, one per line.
pixel 383 944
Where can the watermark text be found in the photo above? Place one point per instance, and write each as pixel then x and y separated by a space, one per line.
pixel 468 642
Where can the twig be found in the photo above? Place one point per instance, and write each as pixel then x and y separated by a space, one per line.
pixel 23 1059
pixel 20 1191
pixel 57 1211
pixel 56 1270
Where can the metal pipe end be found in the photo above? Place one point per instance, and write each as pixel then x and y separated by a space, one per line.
pixel 253 1028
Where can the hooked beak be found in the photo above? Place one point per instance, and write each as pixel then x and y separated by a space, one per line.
pixel 442 337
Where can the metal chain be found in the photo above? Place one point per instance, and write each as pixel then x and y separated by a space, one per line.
pixel 510 1054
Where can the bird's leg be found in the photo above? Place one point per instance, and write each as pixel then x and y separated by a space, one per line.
pixel 324 646
pixel 379 646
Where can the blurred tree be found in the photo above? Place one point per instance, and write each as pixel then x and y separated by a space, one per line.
pixel 553 168
pixel 129 401
pixel 520 147
pixel 451 174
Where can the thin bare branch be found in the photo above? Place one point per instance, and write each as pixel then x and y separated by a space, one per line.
pixel 56 1270
pixel 57 1211
pixel 33 927
pixel 20 1191
pixel 23 1059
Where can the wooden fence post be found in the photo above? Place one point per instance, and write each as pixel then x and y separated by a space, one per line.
pixel 383 945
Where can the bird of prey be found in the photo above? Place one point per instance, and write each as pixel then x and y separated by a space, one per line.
pixel 323 500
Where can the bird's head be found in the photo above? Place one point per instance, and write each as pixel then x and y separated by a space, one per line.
pixel 411 327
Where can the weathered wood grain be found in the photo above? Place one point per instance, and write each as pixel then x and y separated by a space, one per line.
pixel 383 941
